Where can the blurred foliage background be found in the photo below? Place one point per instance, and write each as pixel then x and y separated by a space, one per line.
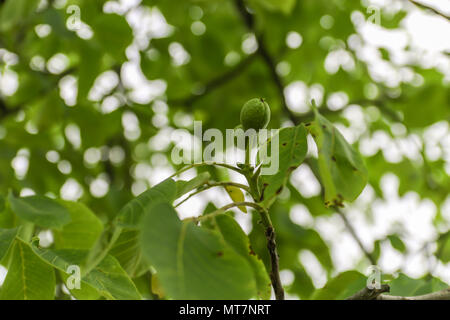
pixel 88 106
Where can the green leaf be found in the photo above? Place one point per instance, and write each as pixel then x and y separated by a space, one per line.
pixel 397 243
pixel 341 168
pixel 114 34
pixel 302 284
pixel 131 214
pixel 2 203
pixel 412 105
pixel 14 12
pixel 193 262
pixel 42 211
pixel 108 278
pixel 235 237
pixel 28 277
pixel 407 287
pixel 89 68
pixel 443 247
pixel 284 6
pixel 236 195
pixel 7 237
pixel 82 231
pixel 184 187
pixel 291 235
pixel 127 250
pixel 443 250
pixel 341 287
pixel 292 148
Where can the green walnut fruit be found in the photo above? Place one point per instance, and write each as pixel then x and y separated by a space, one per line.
pixel 255 114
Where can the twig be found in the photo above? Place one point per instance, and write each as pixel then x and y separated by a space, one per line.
pixel 369 294
pixel 225 208
pixel 274 258
pixel 215 83
pixel 263 52
pixel 377 294
pixel 194 165
pixel 438 295
pixel 425 7
pixel 210 185
pixel 352 231
pixel 5 111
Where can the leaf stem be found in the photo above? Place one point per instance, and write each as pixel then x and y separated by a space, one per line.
pixel 210 185
pixel 194 165
pixel 225 208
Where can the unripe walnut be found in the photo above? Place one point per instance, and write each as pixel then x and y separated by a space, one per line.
pixel 255 114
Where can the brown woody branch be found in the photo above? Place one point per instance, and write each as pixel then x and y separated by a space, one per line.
pixel 369 294
pixel 438 295
pixel 215 83
pixel 377 294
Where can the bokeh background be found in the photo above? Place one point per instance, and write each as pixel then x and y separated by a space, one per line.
pixel 91 93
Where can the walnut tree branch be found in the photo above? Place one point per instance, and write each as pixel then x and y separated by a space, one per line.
pixel 264 53
pixel 355 236
pixel 425 7
pixel 438 295
pixel 215 83
pixel 369 294
pixel 377 294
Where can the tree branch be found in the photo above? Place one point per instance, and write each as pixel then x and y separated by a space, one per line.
pixel 369 294
pixel 216 82
pixel 425 7
pixel 439 295
pixel 355 236
pixel 210 185
pixel 377 294
pixel 274 258
pixel 6 112
pixel 263 52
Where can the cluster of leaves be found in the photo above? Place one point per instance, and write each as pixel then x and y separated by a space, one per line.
pixel 213 260
pixel 105 240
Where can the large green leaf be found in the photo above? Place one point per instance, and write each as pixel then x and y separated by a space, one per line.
pixel 295 237
pixel 7 237
pixel 341 168
pixel 193 262
pixel 14 12
pixel 131 214
pixel 292 148
pixel 42 211
pixel 114 34
pixel 342 286
pixel 28 277
pixel 406 286
pixel 89 69
pixel 235 237
pixel 82 231
pixel 127 250
pixel 108 278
